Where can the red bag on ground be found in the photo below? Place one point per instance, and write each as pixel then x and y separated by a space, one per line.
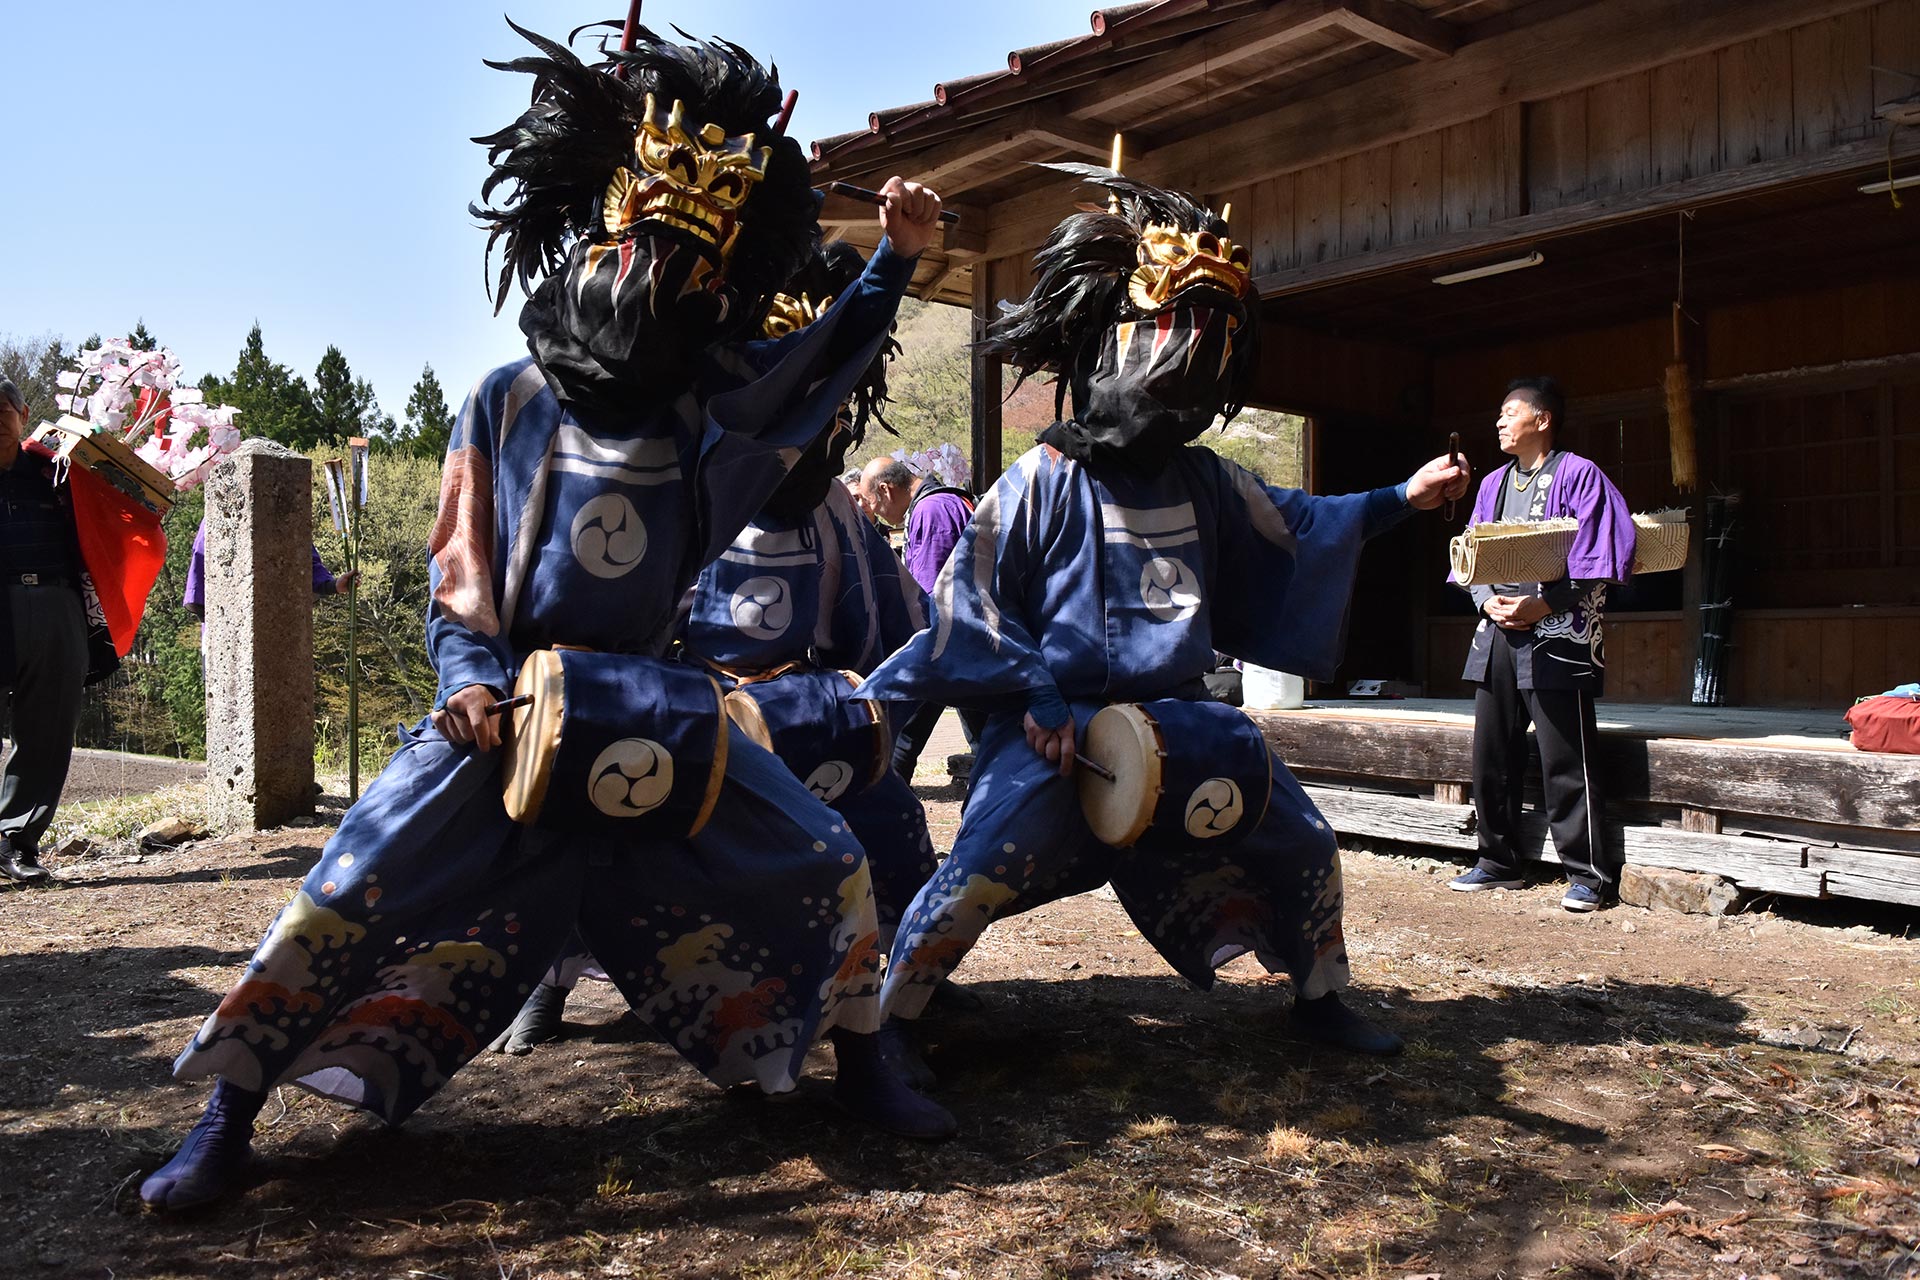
pixel 1886 723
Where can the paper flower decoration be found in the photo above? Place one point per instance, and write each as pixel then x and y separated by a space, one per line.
pixel 120 390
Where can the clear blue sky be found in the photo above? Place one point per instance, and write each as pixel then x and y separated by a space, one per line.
pixel 203 164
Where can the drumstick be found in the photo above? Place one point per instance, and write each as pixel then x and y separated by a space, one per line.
pixel 508 704
pixel 874 197
pixel 1094 767
pixel 1453 460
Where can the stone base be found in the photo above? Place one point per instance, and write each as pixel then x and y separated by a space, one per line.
pixel 1690 891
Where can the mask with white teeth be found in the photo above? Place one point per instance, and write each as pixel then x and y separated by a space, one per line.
pixel 1146 313
pixel 659 202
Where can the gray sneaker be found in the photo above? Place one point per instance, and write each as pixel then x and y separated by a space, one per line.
pixel 1476 880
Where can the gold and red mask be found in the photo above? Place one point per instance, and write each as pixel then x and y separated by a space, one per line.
pixel 1173 261
pixel 690 184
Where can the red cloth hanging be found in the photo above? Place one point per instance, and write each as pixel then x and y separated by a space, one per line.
pixel 122 546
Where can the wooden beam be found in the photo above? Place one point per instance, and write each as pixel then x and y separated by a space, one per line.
pixel 1088 142
pixel 1218 50
pixel 1728 184
pixel 1848 788
pixel 1770 866
pixel 1592 44
pixel 1400 27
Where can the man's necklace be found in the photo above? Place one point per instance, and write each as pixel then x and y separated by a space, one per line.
pixel 1522 479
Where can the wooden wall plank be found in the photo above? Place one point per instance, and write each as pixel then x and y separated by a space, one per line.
pixel 1366 201
pixel 1685 107
pixel 1756 101
pixel 1800 663
pixel 1837 688
pixel 1832 81
pixel 1620 135
pixel 1316 212
pixel 1271 225
pixel 1872 672
pixel 1556 152
pixel 1471 176
pixel 1419 196
pixel 1896 43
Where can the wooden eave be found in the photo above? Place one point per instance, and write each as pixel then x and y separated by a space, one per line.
pixel 1161 73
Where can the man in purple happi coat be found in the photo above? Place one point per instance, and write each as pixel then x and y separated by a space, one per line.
pixel 1537 655
pixel 194 598
pixel 932 515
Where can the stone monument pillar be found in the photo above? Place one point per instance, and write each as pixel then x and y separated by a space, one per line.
pixel 259 638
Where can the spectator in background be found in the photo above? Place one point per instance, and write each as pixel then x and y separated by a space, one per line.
pixel 43 641
pixel 194 599
pixel 932 515
pixel 1537 655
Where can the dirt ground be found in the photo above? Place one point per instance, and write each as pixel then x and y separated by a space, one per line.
pixel 1627 1094
pixel 100 775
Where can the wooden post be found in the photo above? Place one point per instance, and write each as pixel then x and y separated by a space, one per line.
pixel 1704 821
pixel 1450 792
pixel 986 383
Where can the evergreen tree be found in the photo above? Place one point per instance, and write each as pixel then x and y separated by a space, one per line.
pixel 429 423
pixel 273 401
pixel 140 339
pixel 33 363
pixel 346 405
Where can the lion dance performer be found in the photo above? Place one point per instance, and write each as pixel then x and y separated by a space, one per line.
pixel 1106 567
pixel 583 490
pixel 808 591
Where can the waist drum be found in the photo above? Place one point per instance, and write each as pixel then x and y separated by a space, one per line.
pixel 615 744
pixel 1183 772
pixel 833 742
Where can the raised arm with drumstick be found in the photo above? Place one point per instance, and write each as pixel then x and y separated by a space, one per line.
pixel 1088 597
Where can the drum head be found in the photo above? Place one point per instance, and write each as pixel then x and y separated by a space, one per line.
pixel 533 734
pixel 1125 739
pixel 745 714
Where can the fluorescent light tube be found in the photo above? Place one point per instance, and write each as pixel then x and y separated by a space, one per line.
pixel 1533 259
pixel 1898 184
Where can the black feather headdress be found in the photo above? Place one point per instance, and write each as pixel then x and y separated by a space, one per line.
pixel 1084 269
pixel 555 160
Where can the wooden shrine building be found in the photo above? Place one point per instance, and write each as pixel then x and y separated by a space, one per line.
pixel 1558 155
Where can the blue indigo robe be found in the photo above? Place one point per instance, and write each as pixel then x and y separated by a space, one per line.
pixel 1073 589
pixel 826 592
pixel 430 915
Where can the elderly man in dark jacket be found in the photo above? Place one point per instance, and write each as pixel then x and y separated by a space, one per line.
pixel 43 641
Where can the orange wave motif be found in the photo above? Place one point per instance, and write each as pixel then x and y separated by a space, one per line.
pixel 402 1014
pixel 461 542
pixel 861 958
pixel 746 1010
pixel 939 953
pixel 264 999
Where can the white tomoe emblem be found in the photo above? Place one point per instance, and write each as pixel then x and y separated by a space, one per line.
pixel 1169 589
pixel 831 780
pixel 608 536
pixel 1214 808
pixel 631 777
pixel 762 608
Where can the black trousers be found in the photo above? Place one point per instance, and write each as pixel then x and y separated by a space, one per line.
pixel 1563 724
pixel 912 737
pixel 50 668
